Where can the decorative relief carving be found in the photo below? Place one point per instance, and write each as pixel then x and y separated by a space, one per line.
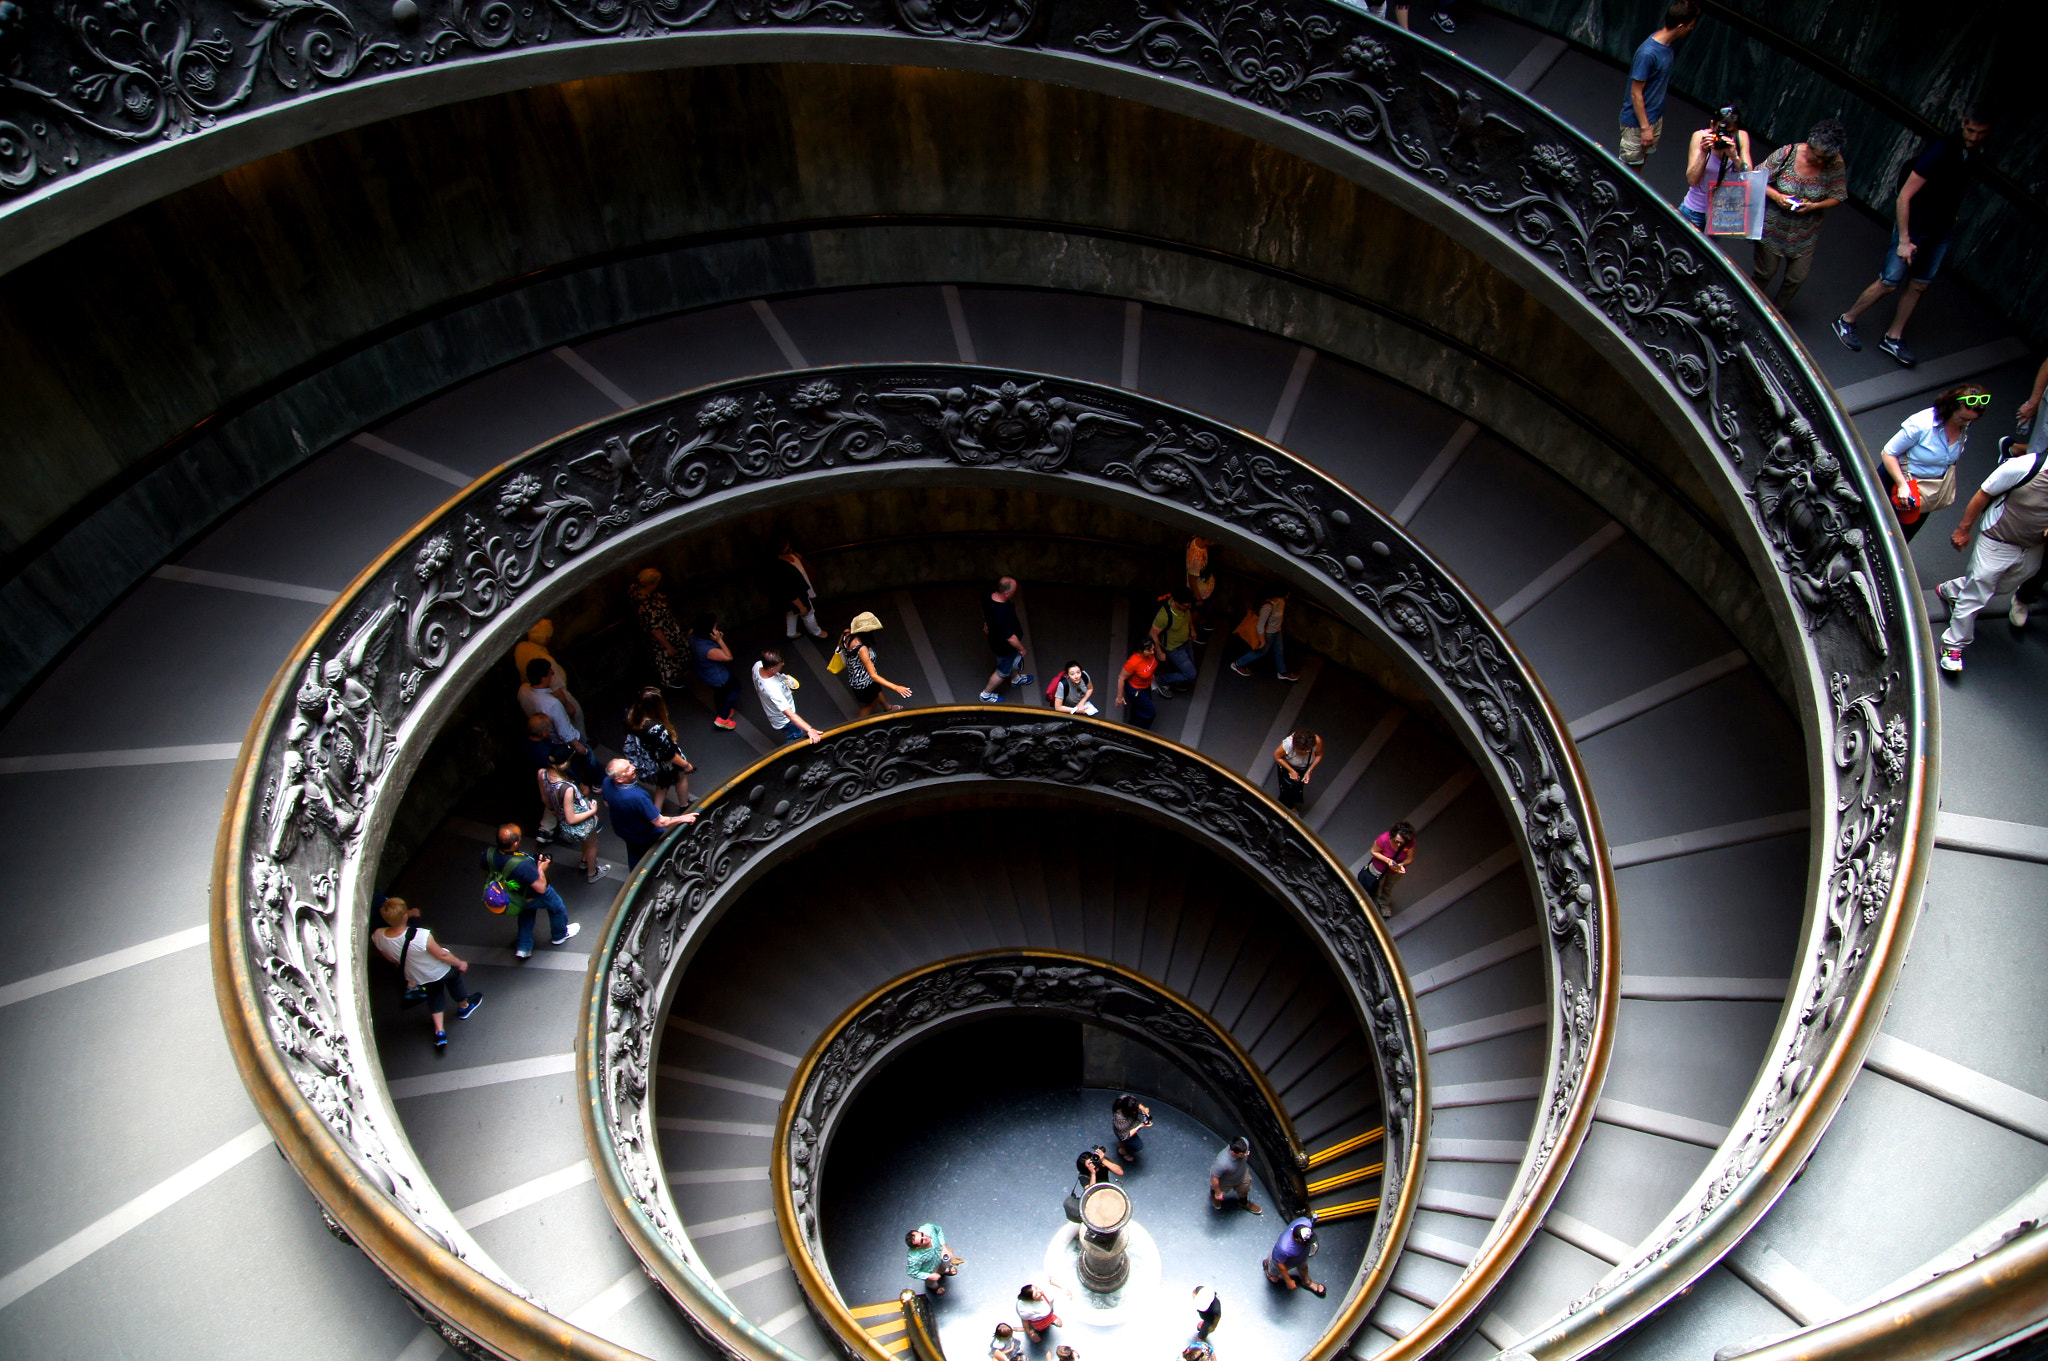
pixel 1070 986
pixel 693 867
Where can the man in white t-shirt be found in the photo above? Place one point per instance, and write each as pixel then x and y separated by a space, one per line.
pixel 536 698
pixel 2014 504
pixel 778 700
pixel 535 645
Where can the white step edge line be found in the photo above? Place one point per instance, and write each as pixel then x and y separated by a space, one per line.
pixel 53 1262
pixel 1708 839
pixel 1559 572
pixel 1461 1203
pixel 1475 961
pixel 1441 1248
pixel 2032 1204
pixel 1197 718
pixel 419 463
pixel 1990 836
pixel 99 966
pixel 1119 652
pixel 921 644
pixel 784 1321
pixel 1664 988
pixel 1500 1332
pixel 1452 1095
pixel 482 1075
pixel 1645 1120
pixel 227 581
pixel 1797 1295
pixel 1408 1291
pixel 526 1193
pixel 733 1280
pixel 1588 1239
pixel 717 1176
pixel 791 355
pixel 963 341
pixel 1658 695
pixel 609 1301
pixel 497 956
pixel 1355 767
pixel 711 1228
pixel 589 373
pixel 1965 1088
pixel 1290 396
pixel 1284 722
pixel 1475 1151
pixel 1930 375
pixel 131 756
pixel 723 1084
pixel 1134 327
pixel 842 699
pixel 1439 468
pixel 1527 72
pixel 1453 893
pixel 732 1041
pixel 426 1344
pixel 687 1125
pixel 1445 794
pixel 1486 1028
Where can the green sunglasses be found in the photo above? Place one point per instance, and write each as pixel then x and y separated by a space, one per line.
pixel 1975 399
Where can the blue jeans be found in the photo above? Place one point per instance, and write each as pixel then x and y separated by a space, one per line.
pixel 1926 261
pixel 1138 704
pixel 1176 667
pixel 558 917
pixel 1275 644
pixel 1694 216
pixel 790 735
pixel 1006 665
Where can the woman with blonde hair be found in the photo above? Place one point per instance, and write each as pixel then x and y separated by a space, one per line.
pixel 430 972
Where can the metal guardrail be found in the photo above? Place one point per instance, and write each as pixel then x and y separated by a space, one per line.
pixel 791 798
pixel 351 713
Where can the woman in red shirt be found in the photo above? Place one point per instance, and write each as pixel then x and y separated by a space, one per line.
pixel 1134 684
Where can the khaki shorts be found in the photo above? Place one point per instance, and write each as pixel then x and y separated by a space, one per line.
pixel 1632 149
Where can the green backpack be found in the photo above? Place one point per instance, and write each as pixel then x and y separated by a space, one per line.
pixel 502 892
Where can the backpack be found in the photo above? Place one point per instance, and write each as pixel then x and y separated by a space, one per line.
pixel 502 892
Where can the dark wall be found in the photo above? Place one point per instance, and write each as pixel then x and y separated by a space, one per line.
pixel 1893 72
pixel 311 283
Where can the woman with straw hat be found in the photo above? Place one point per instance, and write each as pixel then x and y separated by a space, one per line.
pixel 856 663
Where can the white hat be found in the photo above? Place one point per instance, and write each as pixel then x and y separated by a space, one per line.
pixel 1204 1297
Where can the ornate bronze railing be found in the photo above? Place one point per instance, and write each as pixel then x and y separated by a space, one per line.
pixel 792 798
pixel 348 718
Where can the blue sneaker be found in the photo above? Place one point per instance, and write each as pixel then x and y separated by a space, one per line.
pixel 1022 678
pixel 991 697
pixel 476 999
pixel 1845 331
pixel 440 1039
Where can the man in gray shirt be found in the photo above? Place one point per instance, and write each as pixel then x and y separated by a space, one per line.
pixel 1231 1175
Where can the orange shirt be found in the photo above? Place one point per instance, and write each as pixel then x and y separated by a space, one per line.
pixel 1138 671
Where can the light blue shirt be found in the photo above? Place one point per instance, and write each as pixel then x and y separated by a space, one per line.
pixel 1922 446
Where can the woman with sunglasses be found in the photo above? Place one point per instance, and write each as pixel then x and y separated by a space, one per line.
pixel 1920 461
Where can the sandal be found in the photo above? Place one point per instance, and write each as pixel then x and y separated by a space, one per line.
pixel 1316 1289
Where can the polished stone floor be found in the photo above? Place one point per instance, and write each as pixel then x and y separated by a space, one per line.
pixel 992 1168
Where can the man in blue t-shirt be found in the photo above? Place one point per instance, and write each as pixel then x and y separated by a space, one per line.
pixel 635 819
pixel 1649 80
pixel 1290 1257
pixel 531 890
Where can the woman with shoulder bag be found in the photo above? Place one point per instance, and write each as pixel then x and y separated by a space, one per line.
pixel 577 809
pixel 1802 181
pixel 652 748
pixel 855 660
pixel 1920 461
pixel 1263 631
pixel 429 970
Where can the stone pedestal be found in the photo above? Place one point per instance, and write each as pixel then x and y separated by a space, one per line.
pixel 1104 1259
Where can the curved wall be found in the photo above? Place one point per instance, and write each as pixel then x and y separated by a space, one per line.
pixel 170 363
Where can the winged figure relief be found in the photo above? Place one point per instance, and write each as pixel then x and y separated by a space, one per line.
pixel 1013 423
pixel 1477 133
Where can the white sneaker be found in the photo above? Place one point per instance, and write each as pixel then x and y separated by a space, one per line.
pixel 1951 659
pixel 574 927
pixel 2018 613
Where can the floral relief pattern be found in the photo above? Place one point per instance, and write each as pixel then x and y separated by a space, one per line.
pixel 694 867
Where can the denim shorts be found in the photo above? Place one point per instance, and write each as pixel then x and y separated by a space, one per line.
pixel 1926 261
pixel 1006 665
pixel 1694 216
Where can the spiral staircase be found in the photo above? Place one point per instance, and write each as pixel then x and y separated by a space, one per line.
pixel 138 1165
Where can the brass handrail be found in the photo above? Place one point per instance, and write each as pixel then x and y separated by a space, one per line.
pixel 811 1277
pixel 627 1193
pixel 917 1323
pixel 351 711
